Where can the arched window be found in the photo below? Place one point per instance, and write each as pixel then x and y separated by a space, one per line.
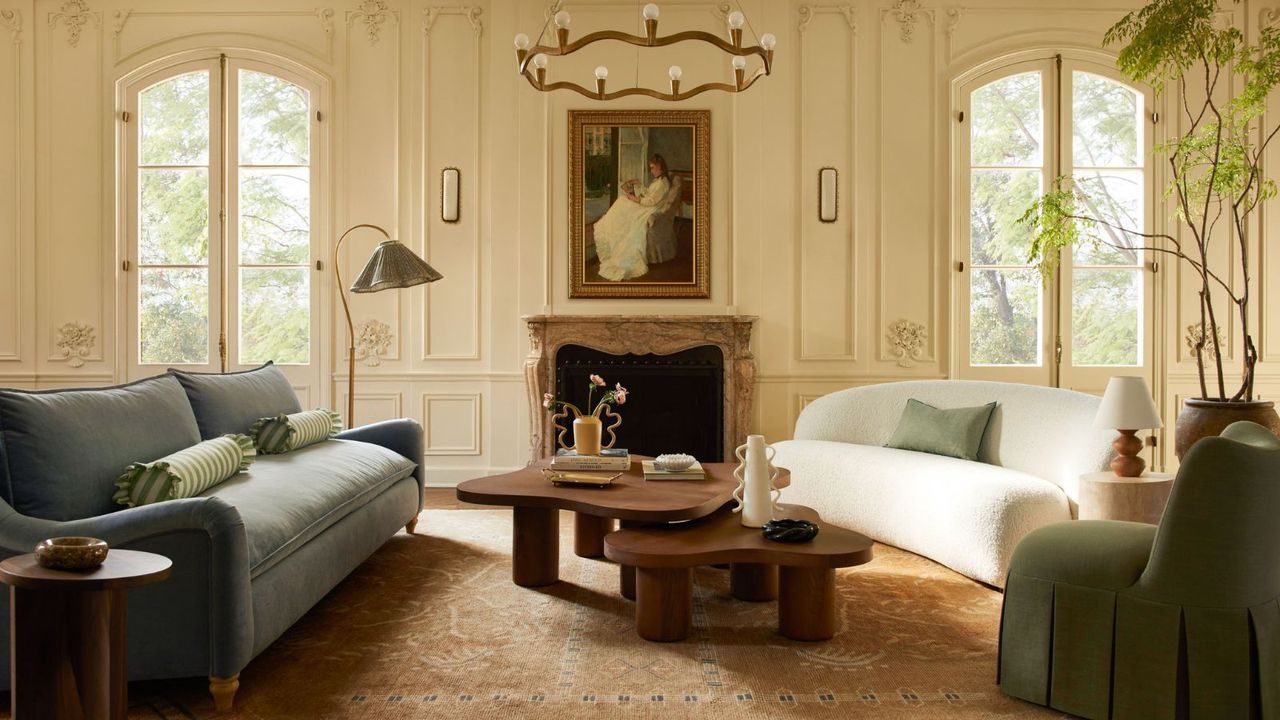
pixel 219 206
pixel 1024 124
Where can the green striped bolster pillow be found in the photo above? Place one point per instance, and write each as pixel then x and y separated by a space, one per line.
pixel 186 473
pixel 283 433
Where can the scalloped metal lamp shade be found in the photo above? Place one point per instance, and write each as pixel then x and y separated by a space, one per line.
pixel 393 265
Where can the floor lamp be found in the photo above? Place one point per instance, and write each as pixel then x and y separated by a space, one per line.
pixel 392 265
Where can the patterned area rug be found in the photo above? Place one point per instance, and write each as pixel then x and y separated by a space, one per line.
pixel 432 627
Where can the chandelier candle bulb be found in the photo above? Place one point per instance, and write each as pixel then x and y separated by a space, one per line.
pixel 651 12
pixel 602 72
pixel 563 19
pixel 522 41
pixel 739 63
pixel 768 41
pixel 736 19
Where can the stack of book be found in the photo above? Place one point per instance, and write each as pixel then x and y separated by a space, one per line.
pixel 611 459
pixel 653 472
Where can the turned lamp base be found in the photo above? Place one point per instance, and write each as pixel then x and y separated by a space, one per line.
pixel 1127 462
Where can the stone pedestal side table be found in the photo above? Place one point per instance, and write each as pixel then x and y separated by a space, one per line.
pixel 67 635
pixel 1106 496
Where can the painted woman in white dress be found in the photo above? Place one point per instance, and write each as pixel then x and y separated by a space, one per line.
pixel 621 235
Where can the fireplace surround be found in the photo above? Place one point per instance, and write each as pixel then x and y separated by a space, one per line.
pixel 641 335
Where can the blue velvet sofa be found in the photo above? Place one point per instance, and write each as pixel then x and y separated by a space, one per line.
pixel 250 556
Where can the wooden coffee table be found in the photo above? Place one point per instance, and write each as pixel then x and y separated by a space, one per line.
pixel 535 544
pixel 801 575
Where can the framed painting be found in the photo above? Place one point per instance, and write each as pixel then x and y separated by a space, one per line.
pixel 639 203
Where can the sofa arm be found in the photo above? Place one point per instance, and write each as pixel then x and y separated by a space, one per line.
pixel 403 436
pixel 157 527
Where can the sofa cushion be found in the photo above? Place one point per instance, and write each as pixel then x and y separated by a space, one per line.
pixel 285 500
pixel 230 403
pixel 64 449
pixel 186 473
pixel 285 433
pixel 954 432
pixel 966 515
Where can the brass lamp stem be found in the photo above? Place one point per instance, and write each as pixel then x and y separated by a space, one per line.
pixel 351 330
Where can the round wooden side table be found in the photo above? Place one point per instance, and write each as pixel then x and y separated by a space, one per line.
pixel 1106 496
pixel 67 635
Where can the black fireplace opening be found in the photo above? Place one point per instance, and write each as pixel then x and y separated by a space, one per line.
pixel 675 404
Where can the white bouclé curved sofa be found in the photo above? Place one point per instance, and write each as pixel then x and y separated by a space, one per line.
pixel 966 515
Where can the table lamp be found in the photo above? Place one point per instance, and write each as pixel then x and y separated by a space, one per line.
pixel 392 265
pixel 1127 404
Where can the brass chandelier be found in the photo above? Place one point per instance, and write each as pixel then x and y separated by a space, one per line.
pixel 533 60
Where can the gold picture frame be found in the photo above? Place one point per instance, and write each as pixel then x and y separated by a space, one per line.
pixel 612 163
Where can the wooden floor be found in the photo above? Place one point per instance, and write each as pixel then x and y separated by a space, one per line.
pixel 446 499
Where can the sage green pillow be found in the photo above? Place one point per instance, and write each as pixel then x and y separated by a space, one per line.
pixel 956 432
pixel 280 434
pixel 186 473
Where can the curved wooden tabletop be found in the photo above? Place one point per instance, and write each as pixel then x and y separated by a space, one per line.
pixel 721 538
pixel 122 569
pixel 630 497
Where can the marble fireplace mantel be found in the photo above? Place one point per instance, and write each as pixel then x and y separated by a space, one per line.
pixel 640 335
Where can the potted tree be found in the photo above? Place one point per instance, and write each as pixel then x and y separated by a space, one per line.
pixel 1222 82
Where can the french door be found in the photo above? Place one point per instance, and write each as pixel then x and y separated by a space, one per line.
pixel 220 210
pixel 1021 126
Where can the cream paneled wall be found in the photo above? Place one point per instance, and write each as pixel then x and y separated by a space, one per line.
pixel 413 87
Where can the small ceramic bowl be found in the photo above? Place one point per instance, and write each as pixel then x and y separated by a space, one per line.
pixel 71 553
pixel 674 462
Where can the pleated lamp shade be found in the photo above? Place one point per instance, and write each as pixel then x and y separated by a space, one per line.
pixel 392 265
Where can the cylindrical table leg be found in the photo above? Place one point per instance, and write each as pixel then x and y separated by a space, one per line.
pixel 664 603
pixel 68 654
pixel 807 603
pixel 753 582
pixel 627 573
pixel 535 546
pixel 627 581
pixel 588 534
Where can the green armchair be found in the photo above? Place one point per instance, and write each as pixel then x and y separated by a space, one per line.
pixel 1181 621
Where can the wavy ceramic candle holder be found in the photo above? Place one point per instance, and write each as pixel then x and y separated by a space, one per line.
pixel 71 553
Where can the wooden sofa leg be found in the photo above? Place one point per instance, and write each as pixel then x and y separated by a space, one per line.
pixel 223 691
pixel 411 525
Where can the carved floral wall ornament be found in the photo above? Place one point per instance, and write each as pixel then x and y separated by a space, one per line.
pixel 374 14
pixel 75 14
pixel 373 339
pixel 12 21
pixel 907 13
pixel 908 339
pixel 1194 334
pixel 75 342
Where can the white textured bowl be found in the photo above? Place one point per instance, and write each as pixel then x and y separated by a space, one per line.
pixel 674 462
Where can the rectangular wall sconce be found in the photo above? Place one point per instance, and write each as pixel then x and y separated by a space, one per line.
pixel 828 194
pixel 450 183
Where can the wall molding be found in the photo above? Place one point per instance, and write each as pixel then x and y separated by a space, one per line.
pixel 474 448
pixel 807 13
pixel 427 200
pixel 122 20
pixel 11 20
